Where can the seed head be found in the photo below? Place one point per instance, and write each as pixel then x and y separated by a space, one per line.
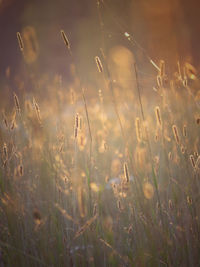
pixel 176 135
pixel 99 65
pixel 17 106
pixel 65 39
pixel 20 42
pixel 158 116
pixel 126 173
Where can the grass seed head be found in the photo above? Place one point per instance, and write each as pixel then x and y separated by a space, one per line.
pixel 158 116
pixel 5 151
pixel 99 65
pixel 162 68
pixel 37 110
pixel 17 106
pixel 176 135
pixel 65 39
pixel 126 173
pixel 21 170
pixel 192 161
pixel 184 130
pixel 20 42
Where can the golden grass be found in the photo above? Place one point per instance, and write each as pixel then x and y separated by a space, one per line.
pixel 90 179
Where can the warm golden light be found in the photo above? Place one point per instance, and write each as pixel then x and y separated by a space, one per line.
pixel 99 133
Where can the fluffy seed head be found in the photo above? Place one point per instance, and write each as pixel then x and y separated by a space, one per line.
pixel 20 42
pixel 162 68
pixel 37 109
pixel 99 65
pixel 176 135
pixel 126 173
pixel 158 116
pixel 21 170
pixel 192 161
pixel 65 39
pixel 17 106
pixel 5 151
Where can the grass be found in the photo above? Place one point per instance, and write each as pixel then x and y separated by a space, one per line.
pixel 89 178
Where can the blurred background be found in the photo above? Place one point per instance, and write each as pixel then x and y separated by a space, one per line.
pixel 165 29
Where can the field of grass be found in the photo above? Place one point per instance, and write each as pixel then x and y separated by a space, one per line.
pixel 104 176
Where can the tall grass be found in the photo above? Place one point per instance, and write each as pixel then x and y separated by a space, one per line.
pixel 119 187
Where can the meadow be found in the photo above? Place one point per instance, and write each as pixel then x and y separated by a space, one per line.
pixel 100 176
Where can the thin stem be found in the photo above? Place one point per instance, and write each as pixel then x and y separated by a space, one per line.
pixel 88 122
